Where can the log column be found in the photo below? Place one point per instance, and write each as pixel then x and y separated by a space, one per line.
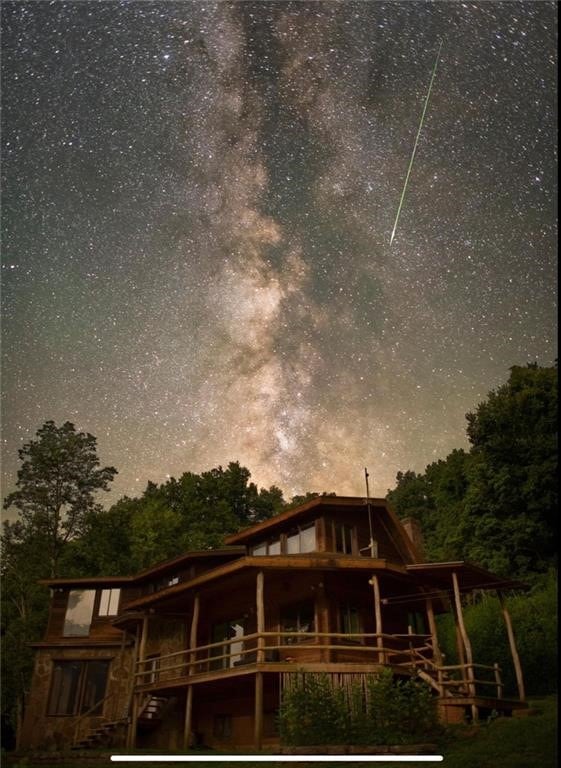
pixel 437 654
pixel 136 697
pixel 260 657
pixel 465 641
pixel 323 621
pixel 260 615
pixel 188 725
pixel 258 710
pixel 513 649
pixel 378 617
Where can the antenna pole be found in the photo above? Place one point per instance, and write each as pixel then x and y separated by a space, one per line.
pixel 369 513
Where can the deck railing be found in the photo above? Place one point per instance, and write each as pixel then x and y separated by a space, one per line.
pixel 412 652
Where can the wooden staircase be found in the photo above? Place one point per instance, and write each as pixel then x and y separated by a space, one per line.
pixel 438 677
pixel 153 710
pixel 100 736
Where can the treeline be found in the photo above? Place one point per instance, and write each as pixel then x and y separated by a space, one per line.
pixel 496 504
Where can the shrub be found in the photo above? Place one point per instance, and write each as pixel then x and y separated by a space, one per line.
pixel 534 621
pixel 317 710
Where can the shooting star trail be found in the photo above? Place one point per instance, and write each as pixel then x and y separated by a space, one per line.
pixel 427 97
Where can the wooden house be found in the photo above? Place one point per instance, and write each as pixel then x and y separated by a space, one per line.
pixel 196 650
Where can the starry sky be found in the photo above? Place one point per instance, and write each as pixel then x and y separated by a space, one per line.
pixel 197 205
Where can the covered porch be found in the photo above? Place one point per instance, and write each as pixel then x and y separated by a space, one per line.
pixel 279 619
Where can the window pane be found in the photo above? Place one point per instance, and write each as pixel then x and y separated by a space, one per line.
pixel 64 687
pixel 344 538
pixel 308 539
pixel 297 618
pixel 79 613
pixel 104 602
pixel 293 543
pixel 274 548
pixel 350 620
pixel 94 685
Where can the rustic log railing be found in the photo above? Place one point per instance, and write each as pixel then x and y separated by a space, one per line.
pixel 409 651
pixel 277 646
pixel 467 682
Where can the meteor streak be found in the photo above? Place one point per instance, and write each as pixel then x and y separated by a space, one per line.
pixel 416 142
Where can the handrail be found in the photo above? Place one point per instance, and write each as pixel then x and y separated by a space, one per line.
pixel 89 712
pixel 257 635
pixel 417 649
pixel 190 658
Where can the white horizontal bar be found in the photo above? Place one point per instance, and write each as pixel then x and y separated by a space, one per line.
pixel 277 758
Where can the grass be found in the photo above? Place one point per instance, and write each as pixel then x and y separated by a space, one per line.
pixel 528 742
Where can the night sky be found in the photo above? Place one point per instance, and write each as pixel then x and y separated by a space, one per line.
pixel 197 205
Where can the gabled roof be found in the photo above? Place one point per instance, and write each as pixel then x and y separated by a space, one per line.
pixel 311 508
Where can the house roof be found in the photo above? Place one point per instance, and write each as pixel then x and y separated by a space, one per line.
pixel 311 560
pixel 301 512
pixel 165 566
pixel 307 511
pixel 470 576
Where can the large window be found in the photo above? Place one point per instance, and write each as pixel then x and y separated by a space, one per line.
pixel 76 686
pixel 109 602
pixel 298 618
pixel 79 612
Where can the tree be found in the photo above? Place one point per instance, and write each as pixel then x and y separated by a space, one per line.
pixel 56 487
pixel 496 505
pixel 514 444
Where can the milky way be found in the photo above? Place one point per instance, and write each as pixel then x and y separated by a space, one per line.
pixel 197 206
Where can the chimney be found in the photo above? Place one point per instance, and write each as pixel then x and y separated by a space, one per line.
pixel 413 530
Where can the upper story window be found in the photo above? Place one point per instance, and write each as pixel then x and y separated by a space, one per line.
pixel 301 539
pixel 109 602
pixel 79 612
pixel 272 547
pixel 344 537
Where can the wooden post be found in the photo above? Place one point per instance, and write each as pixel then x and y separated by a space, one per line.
pixel 143 641
pixel 466 643
pixel 513 649
pixel 436 652
pixel 258 710
pixel 260 656
pixel 460 649
pixel 131 735
pixel 498 680
pixel 132 686
pixel 378 616
pixel 193 635
pixel 323 622
pixel 188 729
